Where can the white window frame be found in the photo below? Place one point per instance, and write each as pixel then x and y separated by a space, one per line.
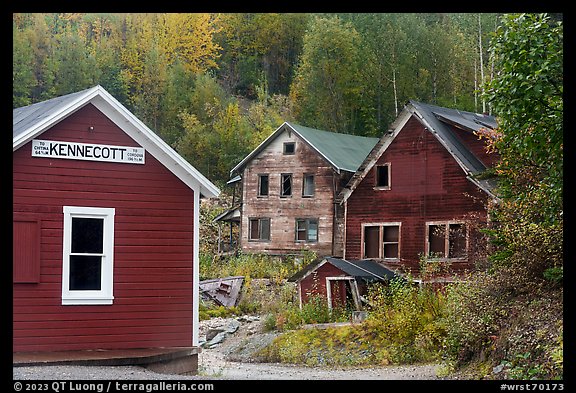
pixel 353 286
pixel 89 297
pixel 381 225
pixel 387 187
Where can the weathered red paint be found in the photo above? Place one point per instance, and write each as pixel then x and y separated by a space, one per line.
pixel 153 250
pixel 427 184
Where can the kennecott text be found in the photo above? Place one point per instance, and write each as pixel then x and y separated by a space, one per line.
pixel 87 151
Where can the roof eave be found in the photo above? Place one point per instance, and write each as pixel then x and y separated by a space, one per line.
pixel 137 130
pixel 25 136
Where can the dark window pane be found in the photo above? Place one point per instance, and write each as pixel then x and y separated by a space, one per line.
pixel 391 233
pixel 390 250
pixel 382 176
pixel 254 229
pixel 457 241
pixel 263 188
pixel 289 148
pixel 301 230
pixel 286 185
pixel 85 273
pixel 372 242
pixel 436 237
pixel 87 235
pixel 265 229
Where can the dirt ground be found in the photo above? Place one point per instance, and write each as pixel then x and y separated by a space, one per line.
pixel 230 360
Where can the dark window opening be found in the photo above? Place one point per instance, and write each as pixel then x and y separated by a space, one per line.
pixel 85 267
pixel 447 240
pixel 383 176
pixel 308 185
pixel 286 185
pixel 436 236
pixel 371 242
pixel 263 182
pixel 307 230
pixel 457 241
pixel 385 235
pixel 259 229
pixel 390 241
pixel 289 148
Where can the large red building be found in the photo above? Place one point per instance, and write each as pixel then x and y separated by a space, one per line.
pixel 105 227
pixel 422 193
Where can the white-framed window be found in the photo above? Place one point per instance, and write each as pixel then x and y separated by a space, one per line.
pixel 88 255
pixel 382 177
pixel 381 241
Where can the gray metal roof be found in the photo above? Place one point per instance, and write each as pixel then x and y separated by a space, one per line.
pixel 366 269
pixel 440 119
pixel 345 152
pixel 28 116
pixel 31 121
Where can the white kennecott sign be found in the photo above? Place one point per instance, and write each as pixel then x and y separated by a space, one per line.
pixel 88 151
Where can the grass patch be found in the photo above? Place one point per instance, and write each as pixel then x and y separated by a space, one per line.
pixel 404 326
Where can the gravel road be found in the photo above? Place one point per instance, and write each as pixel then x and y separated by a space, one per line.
pixel 228 360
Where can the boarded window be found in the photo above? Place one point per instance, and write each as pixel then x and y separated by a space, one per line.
pixel 26 251
pixel 259 229
pixel 263 181
pixel 286 185
pixel 308 185
pixel 383 176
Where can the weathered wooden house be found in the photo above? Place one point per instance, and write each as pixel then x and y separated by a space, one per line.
pixel 420 193
pixel 105 230
pixel 289 185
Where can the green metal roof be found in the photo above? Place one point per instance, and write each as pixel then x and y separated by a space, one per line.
pixel 344 152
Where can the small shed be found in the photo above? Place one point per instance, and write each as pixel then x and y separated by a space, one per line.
pixel 105 230
pixel 341 282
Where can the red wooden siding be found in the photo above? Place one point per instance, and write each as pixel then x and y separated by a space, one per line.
pixel 26 250
pixel 315 283
pixel 153 246
pixel 426 184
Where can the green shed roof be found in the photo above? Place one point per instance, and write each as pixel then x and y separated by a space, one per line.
pixel 345 152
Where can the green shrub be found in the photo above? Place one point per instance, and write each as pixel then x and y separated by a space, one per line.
pixel 404 326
